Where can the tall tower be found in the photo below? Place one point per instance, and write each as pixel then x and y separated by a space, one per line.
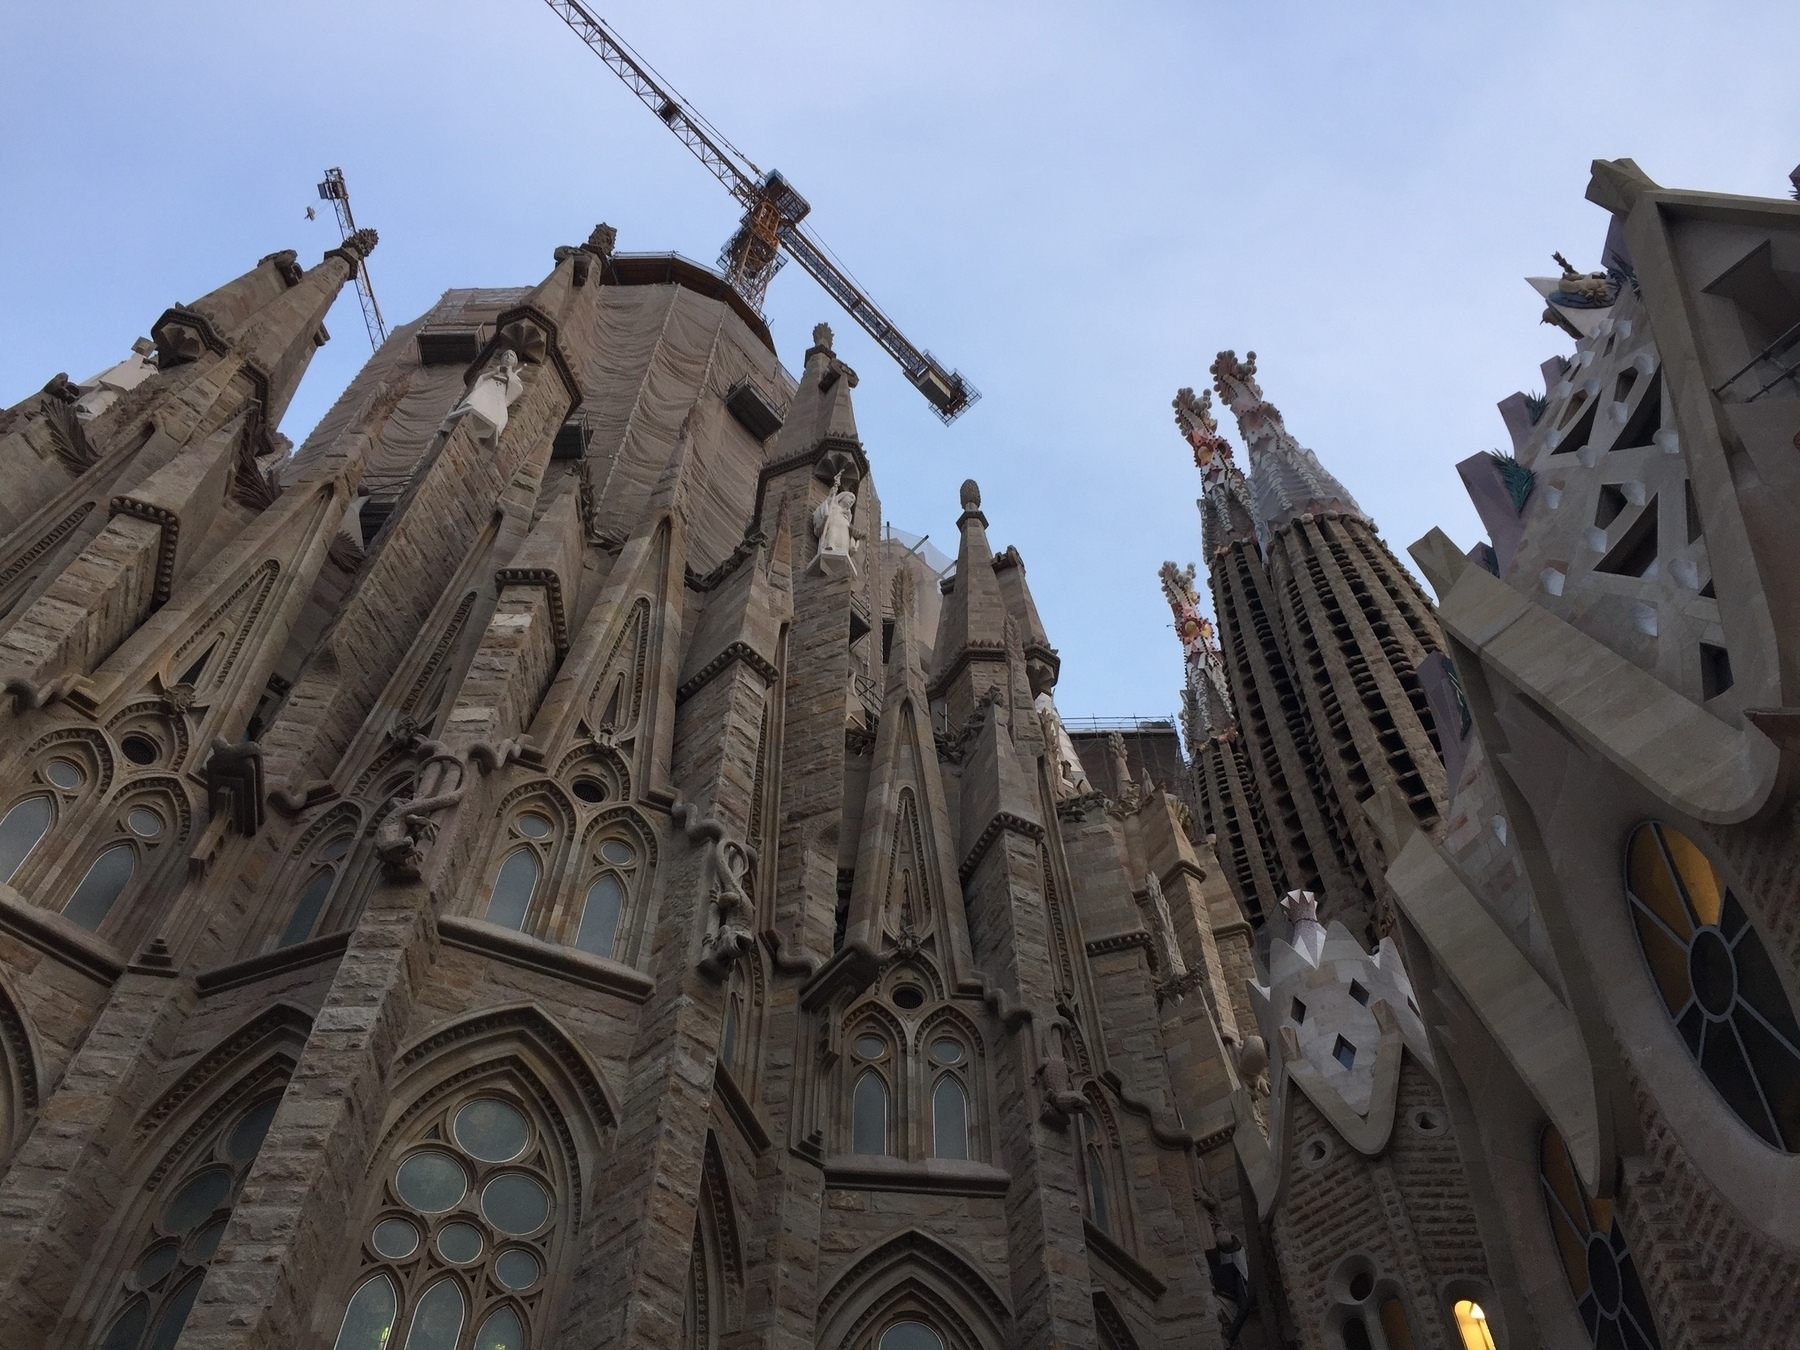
pixel 1355 628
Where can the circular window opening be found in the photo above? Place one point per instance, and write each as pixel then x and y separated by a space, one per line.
pixel 431 1182
pixel 459 1243
pixel 618 852
pixel 1362 1284
pixel 515 1204
pixel 1712 971
pixel 1603 1274
pixel 516 1268
pixel 157 1262
pixel 140 749
pixel 336 849
pixel 533 826
pixel 589 789
pixel 1426 1121
pixel 65 774
pixel 870 1047
pixel 946 1052
pixel 396 1239
pixel 194 1203
pixel 203 1246
pixel 1315 1151
pixel 142 821
pixel 491 1130
pixel 909 996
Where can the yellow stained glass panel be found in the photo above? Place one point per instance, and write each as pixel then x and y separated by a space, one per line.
pixel 1651 881
pixel 1697 874
pixel 1471 1325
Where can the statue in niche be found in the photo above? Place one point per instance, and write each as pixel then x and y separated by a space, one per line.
pixel 837 537
pixel 495 390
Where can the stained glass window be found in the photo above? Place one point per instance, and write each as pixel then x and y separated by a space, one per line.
pixel 1717 981
pixel 1595 1259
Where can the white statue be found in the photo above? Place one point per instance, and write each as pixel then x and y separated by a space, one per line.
pixel 837 539
pixel 1071 778
pixel 495 390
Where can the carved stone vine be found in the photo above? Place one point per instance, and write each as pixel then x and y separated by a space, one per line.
pixel 724 897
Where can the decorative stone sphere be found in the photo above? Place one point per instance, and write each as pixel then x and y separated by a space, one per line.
pixel 971 495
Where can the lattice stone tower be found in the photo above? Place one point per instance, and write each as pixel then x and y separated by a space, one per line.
pixel 536 867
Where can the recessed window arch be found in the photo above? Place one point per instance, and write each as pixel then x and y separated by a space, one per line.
pixel 869 1123
pixel 1716 980
pixel 136 834
pixel 101 886
pixel 950 1119
pixel 182 1231
pixel 509 899
pixel 1596 1262
pixel 910 1335
pixel 21 828
pixel 468 1215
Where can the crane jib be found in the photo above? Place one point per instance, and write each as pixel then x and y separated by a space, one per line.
pixel 772 213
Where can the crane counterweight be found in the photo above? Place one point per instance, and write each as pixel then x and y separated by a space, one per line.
pixel 771 225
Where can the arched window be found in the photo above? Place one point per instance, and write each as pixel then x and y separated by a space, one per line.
pixel 461 1234
pixel 613 866
pixel 1093 1177
pixel 20 831
pixel 910 1335
pixel 1598 1265
pixel 184 1231
pixel 307 907
pixel 1356 1335
pixel 1394 1323
pixel 869 1115
pixel 600 910
pixel 1717 981
pixel 510 900
pixel 950 1119
pixel 734 1018
pixel 1471 1325
pixel 107 877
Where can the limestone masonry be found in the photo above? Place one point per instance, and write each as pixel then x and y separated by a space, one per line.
pixel 539 865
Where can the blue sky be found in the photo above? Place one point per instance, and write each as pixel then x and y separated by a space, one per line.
pixel 1075 205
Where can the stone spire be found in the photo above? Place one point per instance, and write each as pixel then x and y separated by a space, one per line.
pixel 1286 479
pixel 1225 510
pixel 821 411
pixel 1208 693
pixel 972 624
pixel 1041 658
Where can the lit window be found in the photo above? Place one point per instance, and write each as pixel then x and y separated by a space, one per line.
pixel 1471 1325
pixel 1717 981
pixel 1595 1259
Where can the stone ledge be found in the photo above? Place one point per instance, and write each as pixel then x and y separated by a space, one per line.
pixel 277 962
pixel 503 944
pixel 930 1176
pixel 58 938
pixel 738 1107
pixel 1122 1261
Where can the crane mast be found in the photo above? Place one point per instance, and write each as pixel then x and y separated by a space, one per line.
pixel 337 192
pixel 771 225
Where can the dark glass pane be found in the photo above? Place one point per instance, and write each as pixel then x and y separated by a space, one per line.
pixel 459 1243
pixel 174 1316
pixel 1667 958
pixel 946 1052
pixel 950 1120
pixel 1691 1025
pixel 1651 881
pixel 1777 1071
pixel 515 1203
pixel 600 916
pixel 1096 1189
pixel 128 1327
pixel 1760 987
pixel 1725 1064
pixel 516 1268
pixel 870 1047
pixel 868 1116
pixel 306 908
pixel 1731 917
pixel 396 1239
pixel 206 1242
pixel 248 1137
pixel 24 825
pixel 431 1181
pixel 729 1032
pixel 511 896
pixel 618 852
pixel 65 774
pixel 533 826
pixel 109 875
pixel 1608 1337
pixel 369 1320
pixel 438 1320
pixel 911 1336
pixel 194 1202
pixel 1637 1307
pixel 1356 1335
pixel 157 1262
pixel 491 1130
pixel 502 1331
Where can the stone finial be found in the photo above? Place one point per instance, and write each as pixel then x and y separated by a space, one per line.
pixel 1300 907
pixel 822 336
pixel 601 241
pixel 359 245
pixel 971 495
pixel 1212 452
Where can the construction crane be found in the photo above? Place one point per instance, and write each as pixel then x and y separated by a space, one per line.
pixel 771 225
pixel 334 190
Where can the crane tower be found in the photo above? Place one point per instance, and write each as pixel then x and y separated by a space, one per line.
pixel 771 226
pixel 335 191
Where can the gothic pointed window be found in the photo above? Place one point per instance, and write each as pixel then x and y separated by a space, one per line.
pixel 1717 981
pixel 869 1115
pixel 20 831
pixel 461 1233
pixel 733 1020
pixel 1595 1260
pixel 307 907
pixel 510 900
pixel 910 1335
pixel 106 878
pixel 183 1229
pixel 604 901
pixel 950 1119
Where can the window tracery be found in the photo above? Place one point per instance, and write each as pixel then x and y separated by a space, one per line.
pixel 1716 980
pixel 182 1233
pixel 127 846
pixel 464 1230
pixel 1596 1262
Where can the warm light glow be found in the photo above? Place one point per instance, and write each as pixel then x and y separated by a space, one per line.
pixel 1471 1321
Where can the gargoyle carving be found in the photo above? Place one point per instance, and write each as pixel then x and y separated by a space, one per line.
pixel 1056 1085
pixel 406 834
pixel 724 896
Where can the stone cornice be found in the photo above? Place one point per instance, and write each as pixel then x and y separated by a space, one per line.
pixel 1121 942
pixel 278 962
pixel 170 525
pixel 964 656
pixel 737 651
pixel 1135 1271
pixel 547 578
pixel 776 467
pixel 739 1109
pixel 1002 821
pixel 593 972
pixel 58 938
pixel 929 1176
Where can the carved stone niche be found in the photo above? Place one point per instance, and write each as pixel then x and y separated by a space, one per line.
pixel 177 343
pixel 835 463
pixel 528 338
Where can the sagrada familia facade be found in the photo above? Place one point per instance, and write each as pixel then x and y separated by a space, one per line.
pixel 539 866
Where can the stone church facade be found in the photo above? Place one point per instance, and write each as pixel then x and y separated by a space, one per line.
pixel 1549 822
